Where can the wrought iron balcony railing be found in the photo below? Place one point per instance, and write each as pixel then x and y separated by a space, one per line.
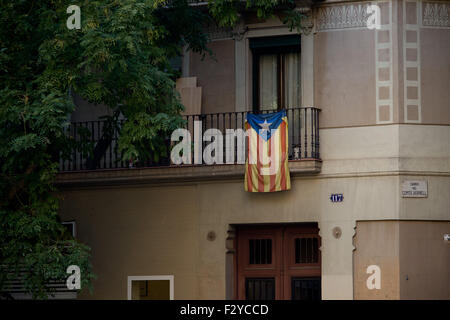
pixel 303 137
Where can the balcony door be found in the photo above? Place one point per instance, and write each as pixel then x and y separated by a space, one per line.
pixel 278 262
pixel 276 73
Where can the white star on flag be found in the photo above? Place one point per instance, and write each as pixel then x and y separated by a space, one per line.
pixel 265 126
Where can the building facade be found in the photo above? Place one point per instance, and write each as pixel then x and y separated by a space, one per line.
pixel 370 171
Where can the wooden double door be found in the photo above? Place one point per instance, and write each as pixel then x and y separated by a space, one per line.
pixel 278 262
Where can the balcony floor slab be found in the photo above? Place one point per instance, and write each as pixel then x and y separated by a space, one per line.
pixel 170 174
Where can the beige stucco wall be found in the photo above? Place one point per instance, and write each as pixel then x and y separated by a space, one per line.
pixel 132 232
pixel 162 230
pixel 412 256
pixel 344 77
pixel 216 76
pixel 435 75
pixel 424 260
pixel 377 243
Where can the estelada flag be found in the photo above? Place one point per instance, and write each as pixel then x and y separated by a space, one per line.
pixel 266 166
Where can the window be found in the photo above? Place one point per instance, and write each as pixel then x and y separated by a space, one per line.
pixel 176 63
pixel 276 72
pixel 306 289
pixel 71 227
pixel 260 289
pixel 306 250
pixel 150 288
pixel 260 251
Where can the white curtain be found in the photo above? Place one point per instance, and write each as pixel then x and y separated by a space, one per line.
pixel 292 89
pixel 268 82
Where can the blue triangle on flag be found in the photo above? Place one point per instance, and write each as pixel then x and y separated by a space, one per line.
pixel 265 123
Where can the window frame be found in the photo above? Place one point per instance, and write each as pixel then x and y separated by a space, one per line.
pixel 130 280
pixel 74 227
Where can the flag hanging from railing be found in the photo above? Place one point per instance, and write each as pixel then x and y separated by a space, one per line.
pixel 266 167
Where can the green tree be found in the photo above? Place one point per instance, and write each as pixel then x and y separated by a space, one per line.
pixel 226 12
pixel 119 58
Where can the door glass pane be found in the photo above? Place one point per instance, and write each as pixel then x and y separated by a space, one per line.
pixel 268 82
pixel 306 289
pixel 260 251
pixel 306 250
pixel 259 288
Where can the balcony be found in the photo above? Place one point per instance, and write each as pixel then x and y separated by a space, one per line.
pixel 104 164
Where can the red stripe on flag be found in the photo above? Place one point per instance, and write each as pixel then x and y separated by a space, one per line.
pixel 272 176
pixel 283 154
pixel 259 164
pixel 249 166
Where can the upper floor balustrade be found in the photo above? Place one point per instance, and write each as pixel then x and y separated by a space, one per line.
pixel 103 152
